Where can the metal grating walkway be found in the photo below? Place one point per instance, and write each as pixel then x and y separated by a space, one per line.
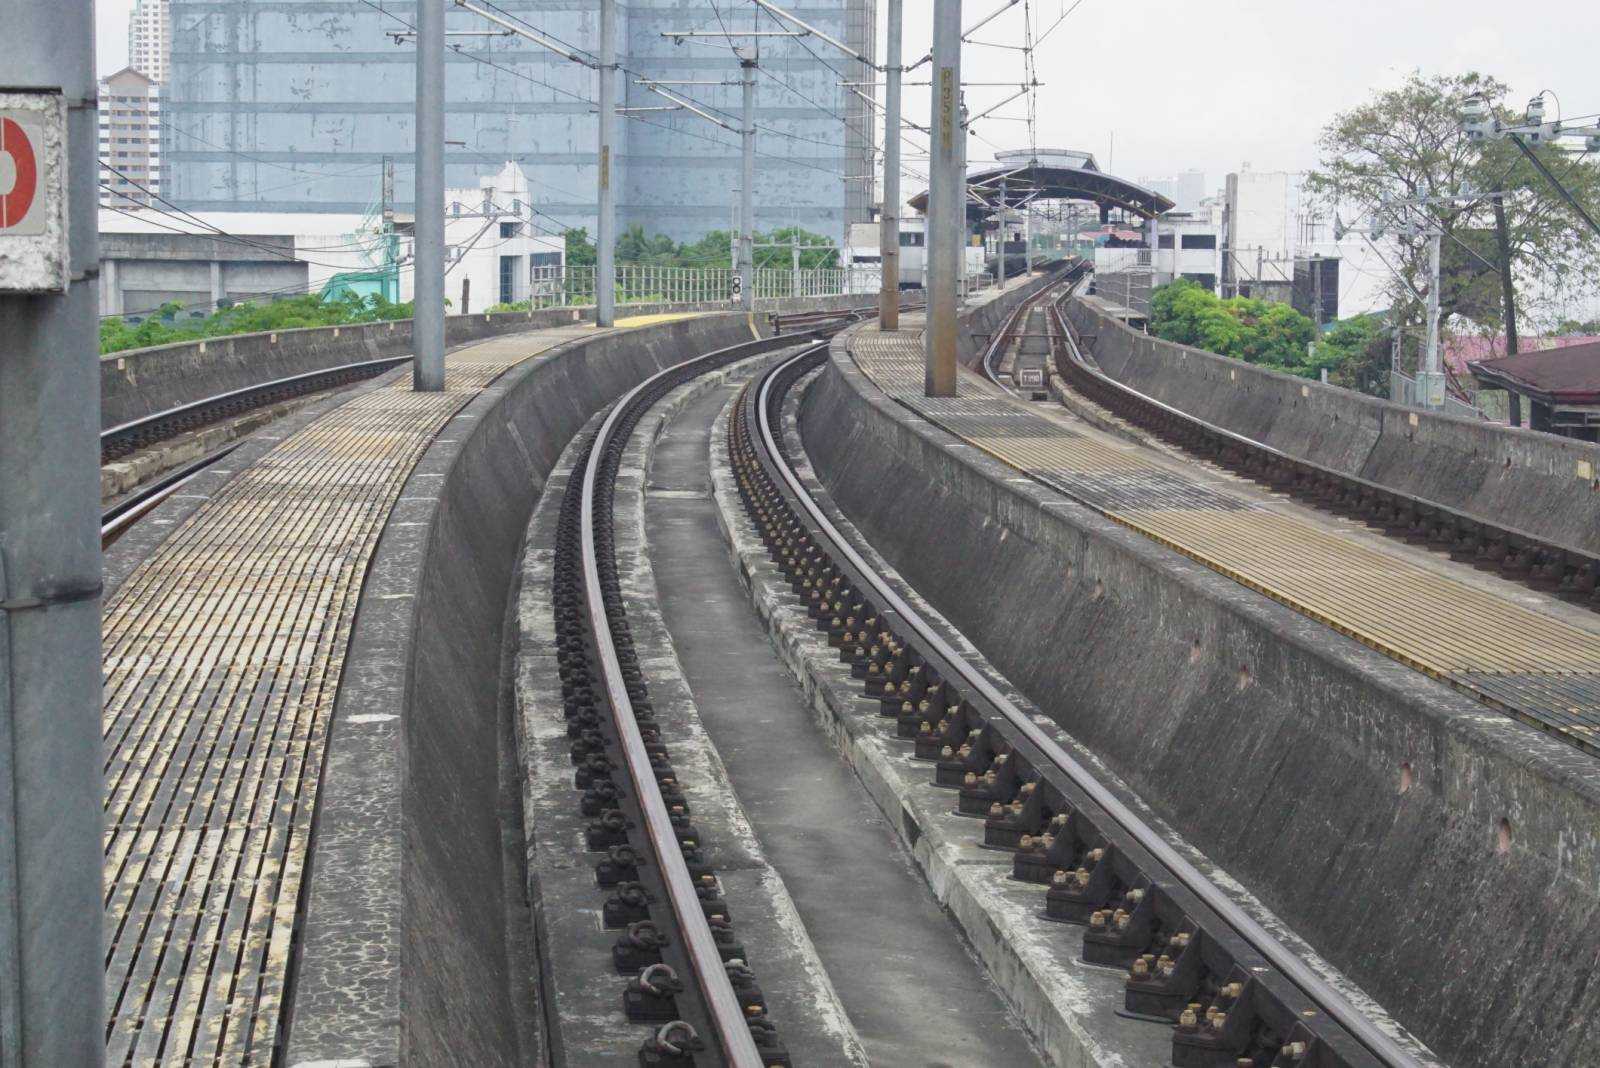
pixel 1542 668
pixel 222 656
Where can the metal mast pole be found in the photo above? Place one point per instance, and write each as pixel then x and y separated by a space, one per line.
pixel 52 947
pixel 606 227
pixel 946 203
pixel 1432 377
pixel 889 220
pixel 747 212
pixel 427 322
pixel 1000 268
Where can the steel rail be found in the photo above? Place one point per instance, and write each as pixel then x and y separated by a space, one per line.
pixel 132 508
pixel 722 1004
pixel 1315 987
pixel 124 436
pixel 1311 467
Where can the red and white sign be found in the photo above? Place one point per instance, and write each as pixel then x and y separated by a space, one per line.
pixel 33 217
pixel 19 176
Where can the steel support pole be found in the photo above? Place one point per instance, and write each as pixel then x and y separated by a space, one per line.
pixel 946 204
pixel 52 946
pixel 427 321
pixel 606 226
pixel 889 219
pixel 747 211
pixel 1000 263
pixel 1432 378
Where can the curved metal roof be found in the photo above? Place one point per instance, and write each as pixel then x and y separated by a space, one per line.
pixel 1037 181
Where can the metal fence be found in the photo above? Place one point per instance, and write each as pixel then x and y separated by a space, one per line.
pixel 638 284
pixel 1404 389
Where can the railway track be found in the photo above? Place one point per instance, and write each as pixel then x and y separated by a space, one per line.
pixel 1193 958
pixel 120 440
pixel 126 438
pixel 1568 573
pixel 677 942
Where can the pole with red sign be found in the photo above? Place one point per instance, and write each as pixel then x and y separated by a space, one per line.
pixel 52 956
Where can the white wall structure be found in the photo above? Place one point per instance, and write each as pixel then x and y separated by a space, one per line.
pixel 130 139
pixel 150 38
pixel 1186 189
pixel 1258 227
pixel 494 250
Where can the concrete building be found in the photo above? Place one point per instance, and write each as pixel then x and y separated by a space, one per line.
pixel 1185 189
pixel 495 252
pixel 272 109
pixel 1258 233
pixel 130 138
pixel 150 38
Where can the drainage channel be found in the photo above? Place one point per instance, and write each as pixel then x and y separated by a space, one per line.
pixel 902 970
pixel 1231 993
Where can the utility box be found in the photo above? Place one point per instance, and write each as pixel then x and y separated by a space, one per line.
pixel 33 192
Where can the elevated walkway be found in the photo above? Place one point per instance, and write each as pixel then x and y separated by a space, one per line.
pixel 223 651
pixel 1525 654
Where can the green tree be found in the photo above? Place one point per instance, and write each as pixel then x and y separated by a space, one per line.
pixel 1408 142
pixel 1274 335
pixel 580 250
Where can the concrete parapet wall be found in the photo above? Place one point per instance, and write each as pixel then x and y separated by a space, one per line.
pixel 417 940
pixel 1361 801
pixel 140 382
pixel 1543 484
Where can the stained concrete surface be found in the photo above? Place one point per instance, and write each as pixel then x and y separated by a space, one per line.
pixel 1358 798
pixel 910 984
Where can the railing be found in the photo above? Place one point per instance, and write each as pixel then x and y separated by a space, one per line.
pixel 641 284
pixel 1404 389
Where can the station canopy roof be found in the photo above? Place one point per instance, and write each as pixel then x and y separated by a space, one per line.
pixel 1052 174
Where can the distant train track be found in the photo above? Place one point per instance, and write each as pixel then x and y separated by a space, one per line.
pixel 1568 573
pixel 126 438
pixel 1233 993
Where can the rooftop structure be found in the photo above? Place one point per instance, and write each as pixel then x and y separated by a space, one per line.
pixel 1561 385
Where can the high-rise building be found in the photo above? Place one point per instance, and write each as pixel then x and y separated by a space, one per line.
pixel 149 38
pixel 130 139
pixel 269 108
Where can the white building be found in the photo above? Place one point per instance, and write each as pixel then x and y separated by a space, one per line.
pixel 130 139
pixel 496 248
pixel 150 38
pixel 492 256
pixel 1186 189
pixel 1258 230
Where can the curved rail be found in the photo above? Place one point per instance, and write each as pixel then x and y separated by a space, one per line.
pixel 115 521
pixel 606 622
pixel 1570 573
pixel 1204 902
pixel 137 433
